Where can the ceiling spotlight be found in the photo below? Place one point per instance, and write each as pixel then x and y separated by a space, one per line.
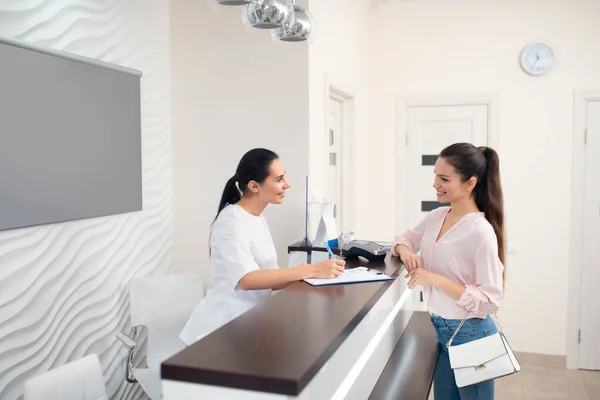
pixel 299 29
pixel 268 14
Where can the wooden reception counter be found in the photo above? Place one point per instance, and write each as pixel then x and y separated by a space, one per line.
pixel 307 342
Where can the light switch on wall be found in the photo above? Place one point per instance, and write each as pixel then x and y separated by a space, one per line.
pixel 512 248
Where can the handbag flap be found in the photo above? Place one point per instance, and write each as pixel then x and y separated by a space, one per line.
pixel 477 352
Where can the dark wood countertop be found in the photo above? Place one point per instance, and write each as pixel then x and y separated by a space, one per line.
pixel 279 346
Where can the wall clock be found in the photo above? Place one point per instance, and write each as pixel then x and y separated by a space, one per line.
pixel 537 58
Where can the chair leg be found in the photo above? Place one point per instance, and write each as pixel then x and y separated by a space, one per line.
pixel 132 345
pixel 129 369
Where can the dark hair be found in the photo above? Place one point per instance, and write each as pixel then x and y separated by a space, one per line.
pixel 482 163
pixel 254 166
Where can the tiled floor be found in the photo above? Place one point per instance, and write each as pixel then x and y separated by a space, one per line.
pixel 544 377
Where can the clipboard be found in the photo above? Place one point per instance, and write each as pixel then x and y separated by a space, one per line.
pixel 350 276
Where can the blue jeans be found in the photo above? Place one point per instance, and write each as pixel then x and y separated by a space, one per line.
pixel 444 385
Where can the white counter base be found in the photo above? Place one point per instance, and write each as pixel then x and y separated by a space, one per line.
pixel 350 373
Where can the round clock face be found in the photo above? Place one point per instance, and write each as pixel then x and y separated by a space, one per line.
pixel 537 58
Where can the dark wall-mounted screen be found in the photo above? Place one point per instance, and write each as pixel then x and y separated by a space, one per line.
pixel 70 137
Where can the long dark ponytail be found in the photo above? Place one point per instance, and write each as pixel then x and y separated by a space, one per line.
pixel 490 200
pixel 254 166
pixel 482 163
pixel 231 194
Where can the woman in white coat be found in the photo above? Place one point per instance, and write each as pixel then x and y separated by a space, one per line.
pixel 243 261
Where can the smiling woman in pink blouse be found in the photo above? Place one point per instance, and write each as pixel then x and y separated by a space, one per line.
pixel 461 260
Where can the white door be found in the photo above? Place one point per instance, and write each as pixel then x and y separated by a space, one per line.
pixel 333 176
pixel 589 349
pixel 430 129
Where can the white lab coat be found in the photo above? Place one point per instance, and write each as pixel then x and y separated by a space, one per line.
pixel 240 243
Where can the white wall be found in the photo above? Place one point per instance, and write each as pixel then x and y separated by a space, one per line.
pixel 471 47
pixel 233 90
pixel 337 57
pixel 63 287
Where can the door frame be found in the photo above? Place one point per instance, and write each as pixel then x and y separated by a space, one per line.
pixel 403 104
pixel 343 94
pixel 580 100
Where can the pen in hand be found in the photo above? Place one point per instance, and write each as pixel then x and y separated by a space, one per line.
pixel 329 250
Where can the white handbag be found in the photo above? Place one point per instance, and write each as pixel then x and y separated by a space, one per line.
pixel 482 359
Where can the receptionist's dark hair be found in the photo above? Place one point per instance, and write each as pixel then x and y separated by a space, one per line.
pixel 254 166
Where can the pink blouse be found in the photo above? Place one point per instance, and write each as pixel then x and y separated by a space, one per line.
pixel 466 254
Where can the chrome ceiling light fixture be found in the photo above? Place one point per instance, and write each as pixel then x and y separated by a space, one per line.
pixel 268 14
pixel 298 29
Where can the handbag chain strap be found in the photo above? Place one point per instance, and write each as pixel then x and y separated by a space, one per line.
pixel 496 321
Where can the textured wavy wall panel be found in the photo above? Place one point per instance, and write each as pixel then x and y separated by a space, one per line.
pixel 63 287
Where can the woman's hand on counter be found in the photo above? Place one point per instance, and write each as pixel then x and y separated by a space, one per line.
pixel 326 269
pixel 411 260
pixel 279 278
pixel 423 277
pixel 420 276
